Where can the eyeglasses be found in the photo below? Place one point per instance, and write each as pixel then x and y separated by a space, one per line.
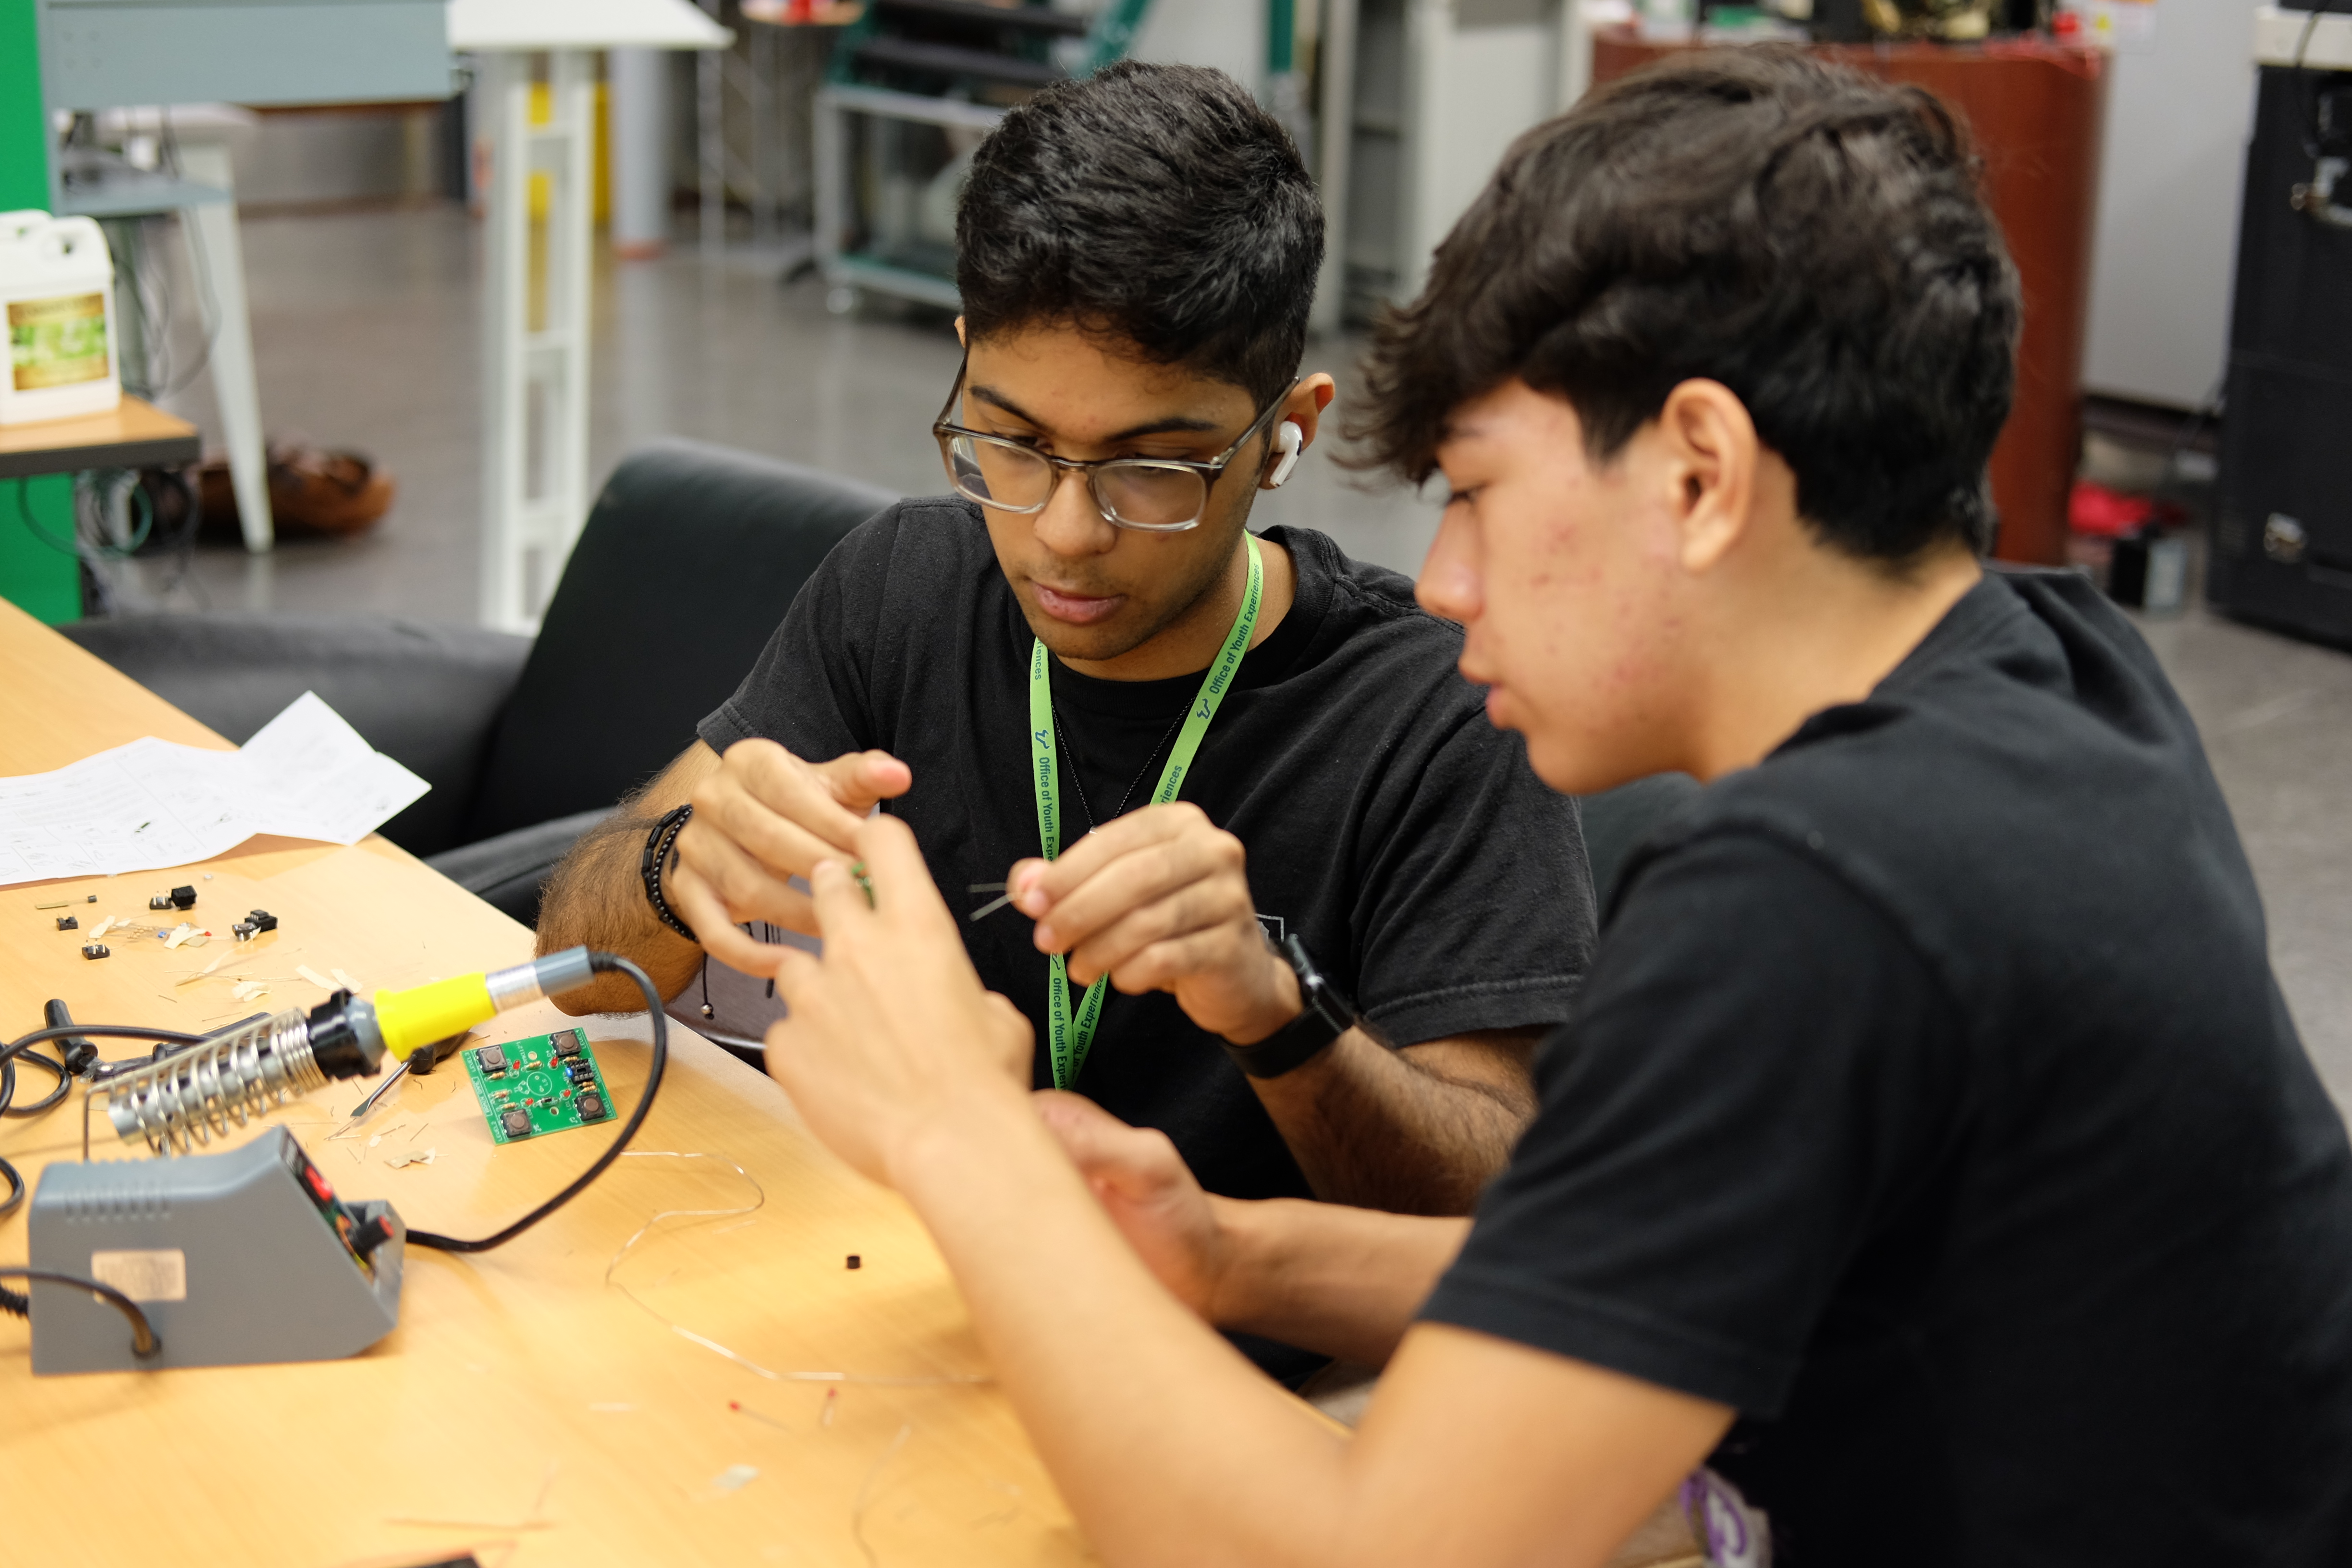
pixel 1150 495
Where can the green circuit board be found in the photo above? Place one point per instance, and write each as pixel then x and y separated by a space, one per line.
pixel 547 1083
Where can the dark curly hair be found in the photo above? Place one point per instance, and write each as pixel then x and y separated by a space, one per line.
pixel 1809 237
pixel 1155 205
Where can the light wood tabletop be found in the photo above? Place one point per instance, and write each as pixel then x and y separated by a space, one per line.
pixel 540 1404
pixel 132 435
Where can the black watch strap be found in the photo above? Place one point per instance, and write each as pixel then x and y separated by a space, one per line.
pixel 1324 1016
pixel 656 860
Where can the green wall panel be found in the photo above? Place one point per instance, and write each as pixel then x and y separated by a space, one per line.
pixel 39 579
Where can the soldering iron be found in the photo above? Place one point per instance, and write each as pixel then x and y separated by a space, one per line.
pixel 212 1256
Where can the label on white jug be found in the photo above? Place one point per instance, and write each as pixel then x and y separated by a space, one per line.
pixel 57 342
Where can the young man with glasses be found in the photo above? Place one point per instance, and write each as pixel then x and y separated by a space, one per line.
pixel 1231 785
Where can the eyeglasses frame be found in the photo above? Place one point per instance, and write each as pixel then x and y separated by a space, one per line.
pixel 946 430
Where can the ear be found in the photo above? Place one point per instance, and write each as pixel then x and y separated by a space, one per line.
pixel 1304 408
pixel 1712 454
pixel 960 337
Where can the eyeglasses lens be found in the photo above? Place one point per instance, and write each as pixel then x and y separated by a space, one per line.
pixel 1154 497
pixel 1142 494
pixel 995 471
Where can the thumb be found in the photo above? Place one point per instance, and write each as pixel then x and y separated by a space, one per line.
pixel 1132 1159
pixel 858 779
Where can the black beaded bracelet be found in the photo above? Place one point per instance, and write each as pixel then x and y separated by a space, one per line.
pixel 649 868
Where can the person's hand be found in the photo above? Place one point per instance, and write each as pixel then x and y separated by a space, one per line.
pixel 1158 901
pixel 891 1030
pixel 1149 1194
pixel 764 816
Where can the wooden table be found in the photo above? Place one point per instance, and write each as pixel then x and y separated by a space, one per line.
pixel 135 434
pixel 526 1408
pixel 2038 111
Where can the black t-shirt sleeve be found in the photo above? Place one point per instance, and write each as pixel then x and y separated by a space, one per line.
pixel 809 692
pixel 1760 1076
pixel 1476 908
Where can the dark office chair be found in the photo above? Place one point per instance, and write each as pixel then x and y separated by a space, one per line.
pixel 688 561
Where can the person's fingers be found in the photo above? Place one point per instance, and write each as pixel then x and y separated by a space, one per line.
pixel 1198 906
pixel 1145 875
pixel 901 879
pixel 773 778
pixel 844 916
pixel 713 922
pixel 1132 1161
pixel 858 779
pixel 797 976
pixel 724 809
pixel 752 886
pixel 1160 965
pixel 746 888
pixel 1038 886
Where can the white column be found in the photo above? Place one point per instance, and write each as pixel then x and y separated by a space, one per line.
pixel 502 100
pixel 638 80
pixel 219 259
pixel 536 373
pixel 568 152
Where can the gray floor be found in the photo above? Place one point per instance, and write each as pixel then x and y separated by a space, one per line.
pixel 364 328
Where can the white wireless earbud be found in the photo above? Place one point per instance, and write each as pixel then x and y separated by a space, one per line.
pixel 1288 440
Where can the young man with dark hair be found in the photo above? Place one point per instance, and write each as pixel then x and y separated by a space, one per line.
pixel 1931 1154
pixel 1227 738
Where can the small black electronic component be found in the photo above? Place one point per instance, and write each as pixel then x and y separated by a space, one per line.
pixel 566 1042
pixel 590 1104
pixel 184 898
pixel 67 923
pixel 96 950
pixel 856 1261
pixel 492 1060
pixel 254 924
pixel 517 1122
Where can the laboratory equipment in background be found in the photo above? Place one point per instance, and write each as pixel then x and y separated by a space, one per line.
pixel 2283 529
pixel 101 54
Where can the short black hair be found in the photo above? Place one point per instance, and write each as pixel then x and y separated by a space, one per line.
pixel 1809 237
pixel 1155 205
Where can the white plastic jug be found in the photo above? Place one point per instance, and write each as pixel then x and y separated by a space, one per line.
pixel 56 288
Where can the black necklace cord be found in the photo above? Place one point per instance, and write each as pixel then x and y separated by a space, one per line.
pixel 18 1304
pixel 1135 783
pixel 606 963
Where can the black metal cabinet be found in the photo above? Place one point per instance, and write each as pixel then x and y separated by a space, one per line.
pixel 2283 535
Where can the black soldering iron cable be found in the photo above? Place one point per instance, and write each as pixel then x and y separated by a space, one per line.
pixel 607 964
pixel 143 1343
pixel 15 1048
pixel 50 1102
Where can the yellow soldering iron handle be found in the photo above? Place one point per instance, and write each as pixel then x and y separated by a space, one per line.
pixel 411 1019
pixel 424 1013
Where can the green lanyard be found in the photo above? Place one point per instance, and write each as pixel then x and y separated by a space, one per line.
pixel 1069 1035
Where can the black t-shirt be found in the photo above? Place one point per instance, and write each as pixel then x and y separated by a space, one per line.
pixel 1388 825
pixel 1931 1103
